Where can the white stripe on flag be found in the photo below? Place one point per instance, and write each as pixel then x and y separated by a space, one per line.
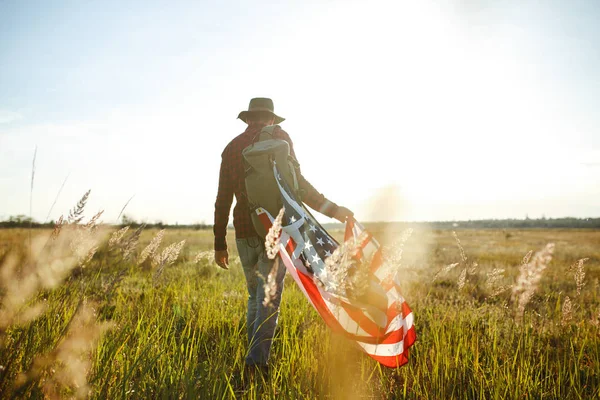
pixel 292 202
pixel 347 323
pixel 394 296
pixel 393 349
pixel 400 322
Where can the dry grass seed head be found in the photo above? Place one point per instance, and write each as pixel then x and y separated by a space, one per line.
pixel 273 237
pixel 494 277
pixel 204 255
pixel 150 250
pixel 128 246
pixel 499 290
pixel 463 255
pixel 445 270
pixel 343 274
pixel 117 237
pixel 92 224
pixel 529 276
pixel 270 285
pixel 167 257
pixel 579 274
pixel 462 279
pixel 171 253
pixel 57 228
pixel 567 312
pixel 76 213
pixel 527 257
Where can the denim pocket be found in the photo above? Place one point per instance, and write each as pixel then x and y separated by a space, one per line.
pixel 242 248
pixel 249 251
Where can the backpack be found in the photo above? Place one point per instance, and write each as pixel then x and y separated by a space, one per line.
pixel 261 187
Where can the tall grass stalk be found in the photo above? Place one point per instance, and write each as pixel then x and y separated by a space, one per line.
pixel 31 196
pixel 57 196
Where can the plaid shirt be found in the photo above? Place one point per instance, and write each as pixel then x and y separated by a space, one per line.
pixel 231 182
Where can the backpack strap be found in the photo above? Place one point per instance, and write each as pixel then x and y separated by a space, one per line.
pixel 270 129
pixel 294 171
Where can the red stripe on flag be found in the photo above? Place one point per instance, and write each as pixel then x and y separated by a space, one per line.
pixel 410 337
pixel 402 358
pixel 393 311
pixel 359 254
pixel 320 306
pixel 387 284
pixel 389 338
pixel 349 226
pixel 291 245
pixel 376 261
pixel 392 337
pixel 363 321
pixel 264 218
pixel 405 309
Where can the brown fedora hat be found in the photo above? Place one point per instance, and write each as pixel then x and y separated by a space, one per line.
pixel 260 104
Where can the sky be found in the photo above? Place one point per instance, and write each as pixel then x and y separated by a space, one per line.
pixel 399 110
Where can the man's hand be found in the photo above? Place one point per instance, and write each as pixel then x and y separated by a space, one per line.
pixel 342 214
pixel 222 258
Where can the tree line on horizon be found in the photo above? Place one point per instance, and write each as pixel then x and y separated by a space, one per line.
pixel 23 221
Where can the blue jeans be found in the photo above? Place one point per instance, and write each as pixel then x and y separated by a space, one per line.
pixel 261 320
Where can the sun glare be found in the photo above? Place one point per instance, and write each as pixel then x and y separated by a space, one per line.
pixel 442 117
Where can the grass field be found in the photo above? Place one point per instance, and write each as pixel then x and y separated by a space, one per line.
pixel 172 326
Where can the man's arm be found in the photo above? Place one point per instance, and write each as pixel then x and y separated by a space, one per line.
pixel 223 203
pixel 312 197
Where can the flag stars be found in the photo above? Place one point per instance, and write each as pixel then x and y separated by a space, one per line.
pixel 327 253
pixel 320 242
pixel 313 228
pixel 292 219
pixel 308 245
pixel 316 259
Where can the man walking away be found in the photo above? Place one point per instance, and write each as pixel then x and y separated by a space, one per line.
pixel 261 320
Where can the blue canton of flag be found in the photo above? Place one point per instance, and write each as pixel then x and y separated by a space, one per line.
pixel 314 244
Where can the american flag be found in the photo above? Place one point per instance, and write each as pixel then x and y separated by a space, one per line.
pixel 380 324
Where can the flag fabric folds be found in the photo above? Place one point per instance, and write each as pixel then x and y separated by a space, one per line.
pixel 379 321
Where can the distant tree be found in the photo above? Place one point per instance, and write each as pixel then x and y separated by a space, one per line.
pixel 23 221
pixel 20 219
pixel 127 220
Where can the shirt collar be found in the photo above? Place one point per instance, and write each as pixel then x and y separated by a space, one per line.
pixel 253 129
